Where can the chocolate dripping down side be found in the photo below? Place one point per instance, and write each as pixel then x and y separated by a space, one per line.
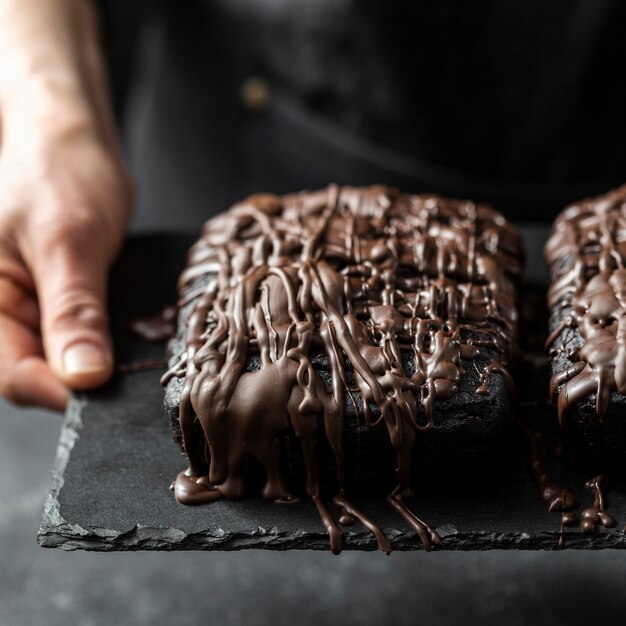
pixel 368 325
pixel 586 253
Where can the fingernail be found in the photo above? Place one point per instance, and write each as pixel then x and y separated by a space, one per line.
pixel 84 358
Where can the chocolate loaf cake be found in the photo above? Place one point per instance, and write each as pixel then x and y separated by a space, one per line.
pixel 335 341
pixel 586 253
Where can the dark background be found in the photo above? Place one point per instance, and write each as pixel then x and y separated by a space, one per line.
pixel 517 103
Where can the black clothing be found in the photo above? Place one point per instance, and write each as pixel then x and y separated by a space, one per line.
pixel 517 103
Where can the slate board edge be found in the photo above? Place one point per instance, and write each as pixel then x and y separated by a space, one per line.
pixel 54 530
pixel 57 532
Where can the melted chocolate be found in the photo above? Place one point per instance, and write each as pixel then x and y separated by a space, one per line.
pixel 157 327
pixel 556 497
pixel 586 253
pixel 561 499
pixel 362 276
pixel 568 518
pixel 596 514
pixel 141 366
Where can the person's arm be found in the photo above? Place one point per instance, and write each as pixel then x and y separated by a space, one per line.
pixel 64 201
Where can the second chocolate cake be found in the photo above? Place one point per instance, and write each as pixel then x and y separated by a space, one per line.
pixel 586 253
pixel 337 340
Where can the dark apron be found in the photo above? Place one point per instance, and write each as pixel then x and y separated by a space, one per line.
pixel 522 107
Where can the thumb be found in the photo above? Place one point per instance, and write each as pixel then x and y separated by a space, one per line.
pixel 71 286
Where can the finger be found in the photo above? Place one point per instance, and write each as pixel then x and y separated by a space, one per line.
pixel 25 377
pixel 19 303
pixel 71 285
pixel 33 384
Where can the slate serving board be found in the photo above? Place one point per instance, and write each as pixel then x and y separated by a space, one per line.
pixel 116 458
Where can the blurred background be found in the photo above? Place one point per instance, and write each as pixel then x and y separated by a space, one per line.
pixel 515 103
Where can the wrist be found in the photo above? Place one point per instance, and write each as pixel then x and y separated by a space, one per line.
pixel 52 76
pixel 42 109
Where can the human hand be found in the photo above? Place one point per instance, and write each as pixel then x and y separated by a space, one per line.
pixel 64 205
pixel 63 210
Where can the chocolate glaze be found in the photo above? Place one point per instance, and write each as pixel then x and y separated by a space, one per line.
pixel 556 497
pixel 596 514
pixel 140 366
pixel 362 276
pixel 568 518
pixel 587 298
pixel 157 327
pixel 561 499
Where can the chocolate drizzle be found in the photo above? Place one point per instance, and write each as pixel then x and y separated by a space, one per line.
pixel 556 497
pixel 596 514
pixel 361 276
pixel 157 327
pixel 586 253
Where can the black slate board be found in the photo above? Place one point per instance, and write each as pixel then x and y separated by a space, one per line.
pixel 116 459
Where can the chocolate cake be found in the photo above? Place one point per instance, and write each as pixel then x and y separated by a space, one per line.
pixel 338 341
pixel 586 253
